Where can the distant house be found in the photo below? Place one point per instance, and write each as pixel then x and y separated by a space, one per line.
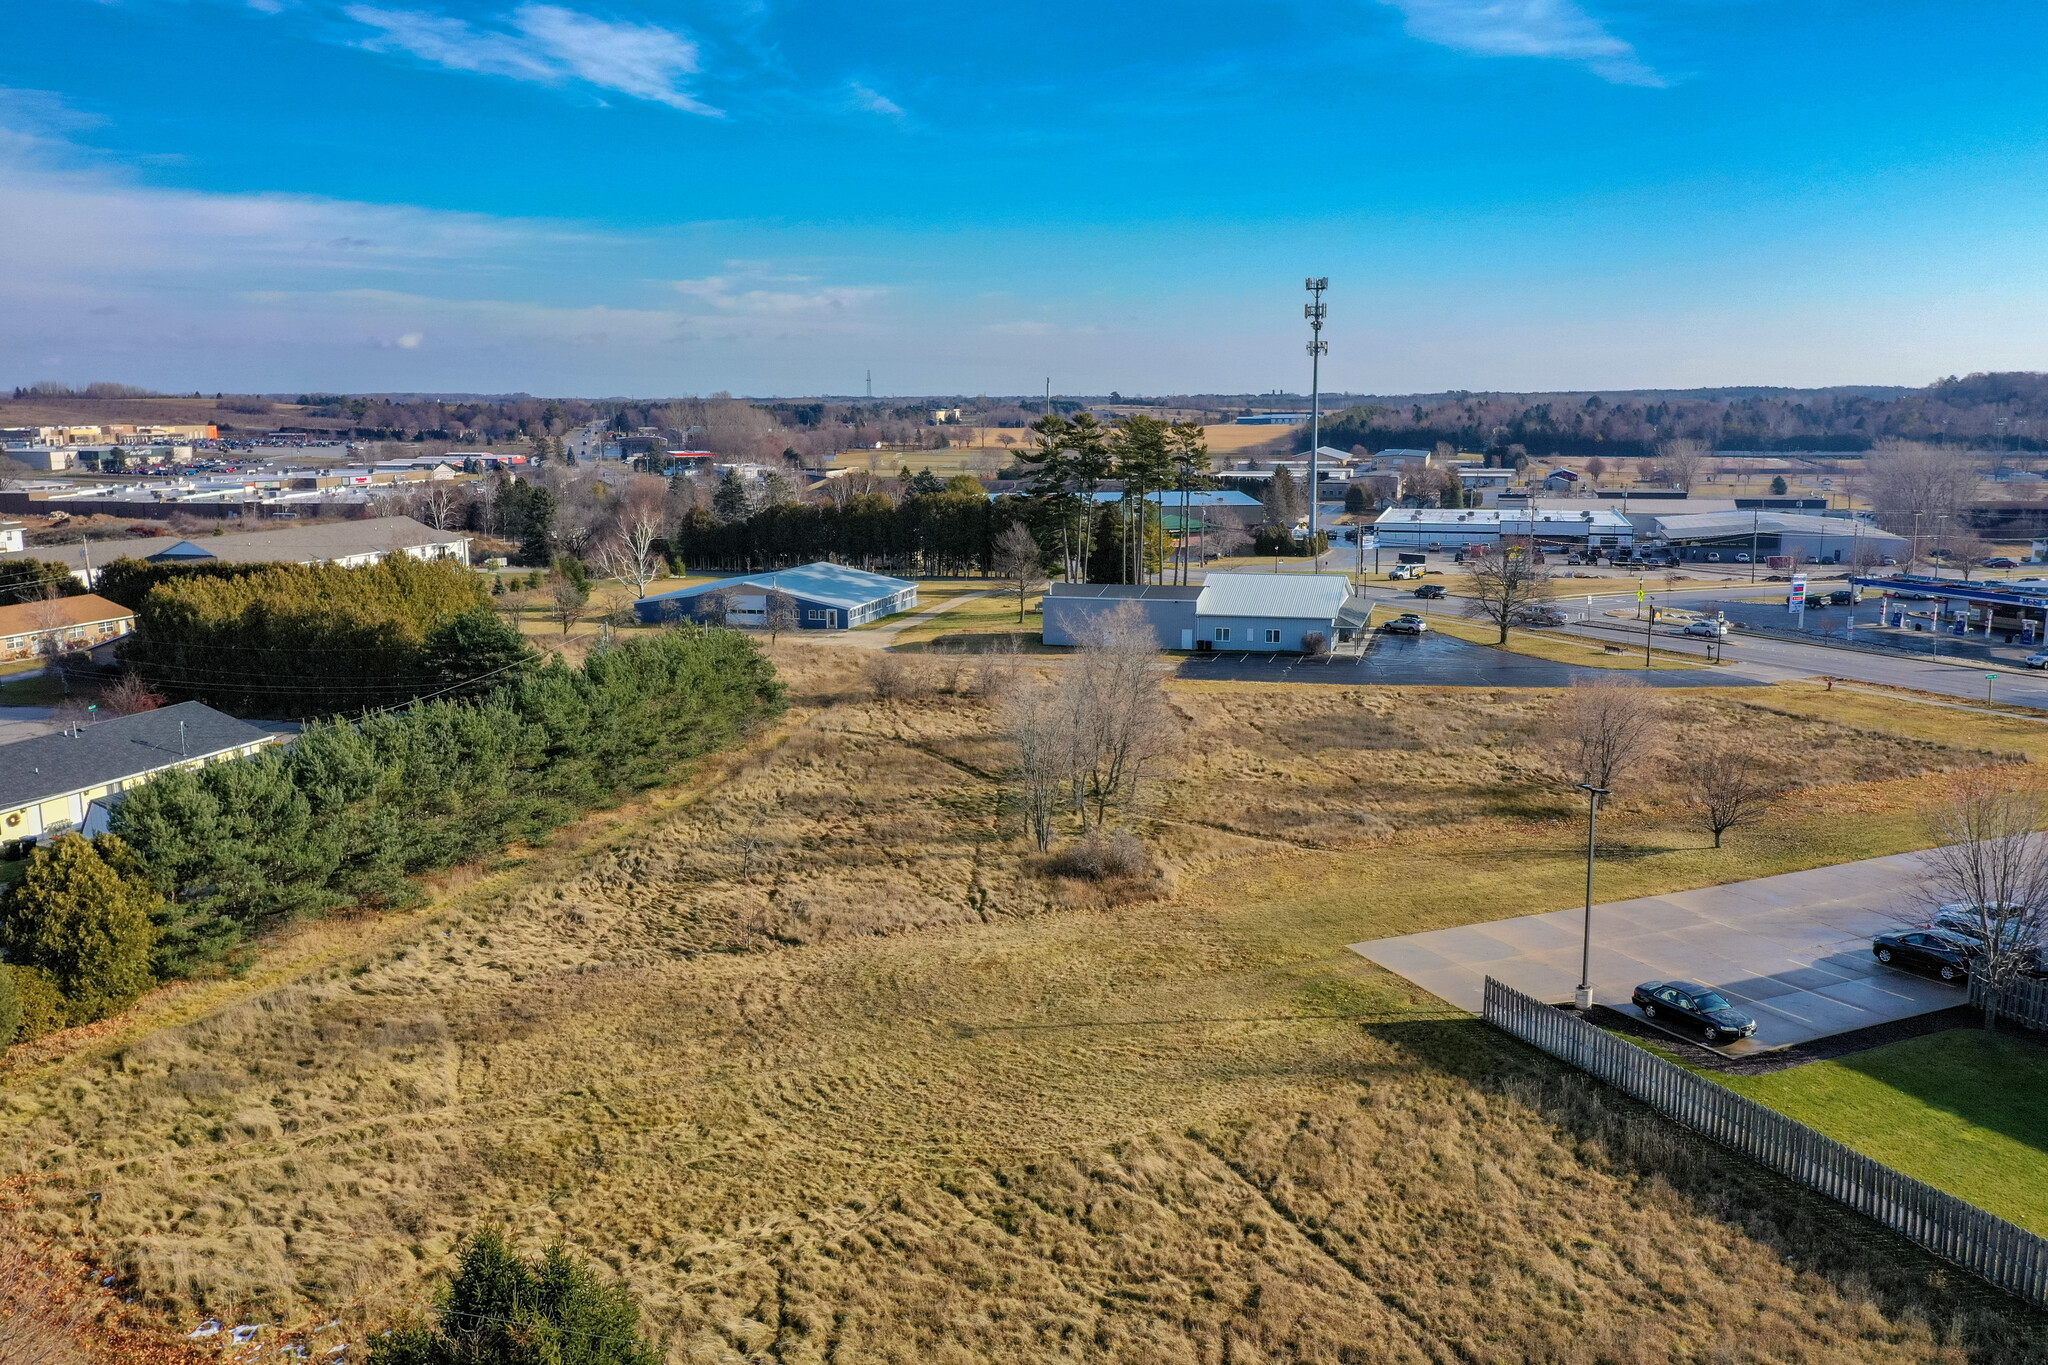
pixel 48 784
pixel 351 544
pixel 827 597
pixel 1263 613
pixel 29 629
pixel 13 535
pixel 1561 479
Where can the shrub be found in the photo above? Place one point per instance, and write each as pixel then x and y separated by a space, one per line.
pixel 503 1310
pixel 10 1007
pixel 893 678
pixel 1097 858
pixel 1315 642
pixel 41 1003
pixel 85 919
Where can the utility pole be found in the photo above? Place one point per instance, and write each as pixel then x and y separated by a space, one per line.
pixel 1317 349
pixel 1583 996
pixel 1753 512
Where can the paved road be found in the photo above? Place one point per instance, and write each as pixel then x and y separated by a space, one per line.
pixel 25 722
pixel 1768 659
pixel 1793 951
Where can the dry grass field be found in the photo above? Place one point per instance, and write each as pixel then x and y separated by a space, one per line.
pixel 811 1055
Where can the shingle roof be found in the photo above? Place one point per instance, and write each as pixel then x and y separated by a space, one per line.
pixel 109 750
pixel 1305 596
pixel 840 585
pixel 84 610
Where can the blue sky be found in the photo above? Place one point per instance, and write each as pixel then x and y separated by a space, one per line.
pixel 655 197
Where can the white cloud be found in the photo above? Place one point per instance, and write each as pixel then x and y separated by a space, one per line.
pixel 774 294
pixel 873 101
pixel 549 45
pixel 1556 29
pixel 411 341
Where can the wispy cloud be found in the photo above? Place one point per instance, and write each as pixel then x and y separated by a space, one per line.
pixel 549 45
pixel 759 294
pixel 873 101
pixel 1556 29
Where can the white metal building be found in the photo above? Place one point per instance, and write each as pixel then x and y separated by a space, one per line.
pixel 1808 539
pixel 1447 528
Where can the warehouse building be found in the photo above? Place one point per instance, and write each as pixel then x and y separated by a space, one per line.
pixel 1710 536
pixel 1575 528
pixel 825 596
pixel 1264 613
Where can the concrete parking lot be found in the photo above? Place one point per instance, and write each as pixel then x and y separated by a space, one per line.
pixel 1793 951
pixel 1435 660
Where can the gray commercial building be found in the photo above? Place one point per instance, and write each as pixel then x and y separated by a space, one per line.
pixel 1705 536
pixel 1263 613
pixel 1075 610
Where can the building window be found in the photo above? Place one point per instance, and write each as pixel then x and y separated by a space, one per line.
pixel 1272 637
pixel 1223 632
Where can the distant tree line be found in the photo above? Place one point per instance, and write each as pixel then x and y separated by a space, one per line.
pixel 198 862
pixel 1980 411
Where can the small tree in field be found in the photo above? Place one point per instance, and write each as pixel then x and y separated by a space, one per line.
pixel 1989 862
pixel 501 1309
pixel 1600 728
pixel 1727 785
pixel 781 615
pixel 1017 559
pixel 1503 581
pixel 569 603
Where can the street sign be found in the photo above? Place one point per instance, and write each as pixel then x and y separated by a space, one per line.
pixel 1640 594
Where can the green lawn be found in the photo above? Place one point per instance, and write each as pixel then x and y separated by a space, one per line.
pixel 46 690
pixel 1959 1110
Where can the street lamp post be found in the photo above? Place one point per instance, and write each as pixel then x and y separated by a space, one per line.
pixel 1583 996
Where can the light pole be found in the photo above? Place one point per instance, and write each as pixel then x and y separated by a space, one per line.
pixel 1583 997
pixel 1317 349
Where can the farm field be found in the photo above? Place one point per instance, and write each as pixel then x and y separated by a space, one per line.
pixel 815 1055
pixel 1960 1109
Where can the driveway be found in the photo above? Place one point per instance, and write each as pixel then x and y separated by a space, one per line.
pixel 26 722
pixel 1793 951
pixel 1432 660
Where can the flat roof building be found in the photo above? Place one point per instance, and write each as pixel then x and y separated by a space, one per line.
pixel 1807 539
pixel 1574 527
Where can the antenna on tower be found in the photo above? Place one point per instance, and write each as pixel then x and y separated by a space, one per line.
pixel 871 383
pixel 1315 312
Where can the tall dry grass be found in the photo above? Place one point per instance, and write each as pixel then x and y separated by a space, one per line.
pixel 822 1068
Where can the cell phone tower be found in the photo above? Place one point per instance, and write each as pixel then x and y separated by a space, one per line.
pixel 1317 349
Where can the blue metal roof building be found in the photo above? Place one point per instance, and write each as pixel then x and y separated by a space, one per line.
pixel 828 597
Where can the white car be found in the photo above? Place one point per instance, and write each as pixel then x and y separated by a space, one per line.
pixel 2036 661
pixel 1707 626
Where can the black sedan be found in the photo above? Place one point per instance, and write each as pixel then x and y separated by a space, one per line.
pixel 1945 954
pixel 1430 590
pixel 1678 1004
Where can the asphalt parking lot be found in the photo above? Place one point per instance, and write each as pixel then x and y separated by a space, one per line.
pixel 1434 660
pixel 1792 951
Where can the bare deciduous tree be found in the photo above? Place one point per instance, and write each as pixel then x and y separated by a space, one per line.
pixel 1601 726
pixel 569 603
pixel 1504 581
pixel 1682 462
pixel 711 608
pixel 1017 559
pixel 1088 741
pixel 781 615
pixel 1989 864
pixel 1728 784
pixel 1914 486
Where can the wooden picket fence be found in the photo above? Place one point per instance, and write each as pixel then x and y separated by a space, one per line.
pixel 2008 1256
pixel 2025 1003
